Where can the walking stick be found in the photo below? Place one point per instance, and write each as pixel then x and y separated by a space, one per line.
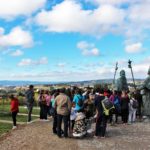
pixel 130 66
pixel 116 68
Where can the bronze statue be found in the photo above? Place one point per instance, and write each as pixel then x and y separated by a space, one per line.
pixel 146 95
pixel 122 82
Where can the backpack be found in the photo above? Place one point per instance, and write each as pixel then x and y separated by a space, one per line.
pixel 80 101
pixel 135 104
pixel 116 100
pixel 117 104
pixel 107 106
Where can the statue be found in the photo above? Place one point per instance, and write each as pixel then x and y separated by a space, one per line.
pixel 146 96
pixel 122 82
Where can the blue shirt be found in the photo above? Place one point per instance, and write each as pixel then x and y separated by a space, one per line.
pixel 76 99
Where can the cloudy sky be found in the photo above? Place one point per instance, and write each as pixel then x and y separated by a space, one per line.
pixel 70 40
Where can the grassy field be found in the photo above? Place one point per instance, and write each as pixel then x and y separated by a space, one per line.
pixel 6 115
pixel 5 127
pixel 20 118
pixel 22 109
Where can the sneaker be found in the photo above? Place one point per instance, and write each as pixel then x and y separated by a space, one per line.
pixel 96 137
pixel 45 120
pixel 14 127
pixel 103 137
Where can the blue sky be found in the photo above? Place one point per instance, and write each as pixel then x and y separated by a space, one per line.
pixel 72 40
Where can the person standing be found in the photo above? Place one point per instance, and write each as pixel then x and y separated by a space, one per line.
pixel 133 105
pixel 48 97
pixel 14 107
pixel 78 100
pixel 43 106
pixel 53 112
pixel 30 101
pixel 115 99
pixel 63 108
pixel 124 107
pixel 138 97
pixel 101 119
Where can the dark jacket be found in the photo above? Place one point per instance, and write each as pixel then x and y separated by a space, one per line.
pixel 30 96
pixel 124 103
pixel 98 104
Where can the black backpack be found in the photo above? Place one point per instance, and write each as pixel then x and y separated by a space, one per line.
pixel 80 101
pixel 135 104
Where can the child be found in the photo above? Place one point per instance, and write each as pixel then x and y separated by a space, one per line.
pixel 132 109
pixel 72 116
pixel 79 129
pixel 14 107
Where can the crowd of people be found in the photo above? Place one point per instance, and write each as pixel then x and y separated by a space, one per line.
pixel 80 109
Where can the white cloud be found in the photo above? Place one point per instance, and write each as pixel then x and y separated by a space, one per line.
pixel 92 52
pixel 16 37
pixel 17 53
pixel 61 65
pixel 85 45
pixel 9 9
pixel 74 18
pixel 112 2
pixel 110 16
pixel 140 12
pixel 138 21
pixel 1 31
pixel 88 49
pixel 134 48
pixel 30 62
pixel 105 71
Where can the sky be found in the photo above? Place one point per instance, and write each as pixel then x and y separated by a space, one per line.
pixel 73 40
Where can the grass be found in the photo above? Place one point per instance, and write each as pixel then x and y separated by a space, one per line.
pixel 20 118
pixel 6 108
pixel 5 127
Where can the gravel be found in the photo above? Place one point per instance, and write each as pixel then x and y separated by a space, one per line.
pixel 39 136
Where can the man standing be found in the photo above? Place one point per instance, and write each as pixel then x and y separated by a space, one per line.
pixel 30 101
pixel 101 120
pixel 63 108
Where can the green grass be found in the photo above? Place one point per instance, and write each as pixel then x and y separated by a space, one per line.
pixel 5 127
pixel 20 118
pixel 22 109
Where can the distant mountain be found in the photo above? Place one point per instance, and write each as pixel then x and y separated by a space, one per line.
pixel 6 83
pixel 20 83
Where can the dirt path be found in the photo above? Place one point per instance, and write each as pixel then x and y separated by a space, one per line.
pixel 7 121
pixel 38 136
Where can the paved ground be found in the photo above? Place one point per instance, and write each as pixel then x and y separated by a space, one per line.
pixel 38 136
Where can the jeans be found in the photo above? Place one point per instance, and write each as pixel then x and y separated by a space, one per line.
pixel 132 116
pixel 14 114
pixel 29 107
pixel 59 122
pixel 101 123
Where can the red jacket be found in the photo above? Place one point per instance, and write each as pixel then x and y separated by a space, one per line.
pixel 14 105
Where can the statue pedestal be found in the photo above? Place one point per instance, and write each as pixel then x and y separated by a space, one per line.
pixel 146 104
